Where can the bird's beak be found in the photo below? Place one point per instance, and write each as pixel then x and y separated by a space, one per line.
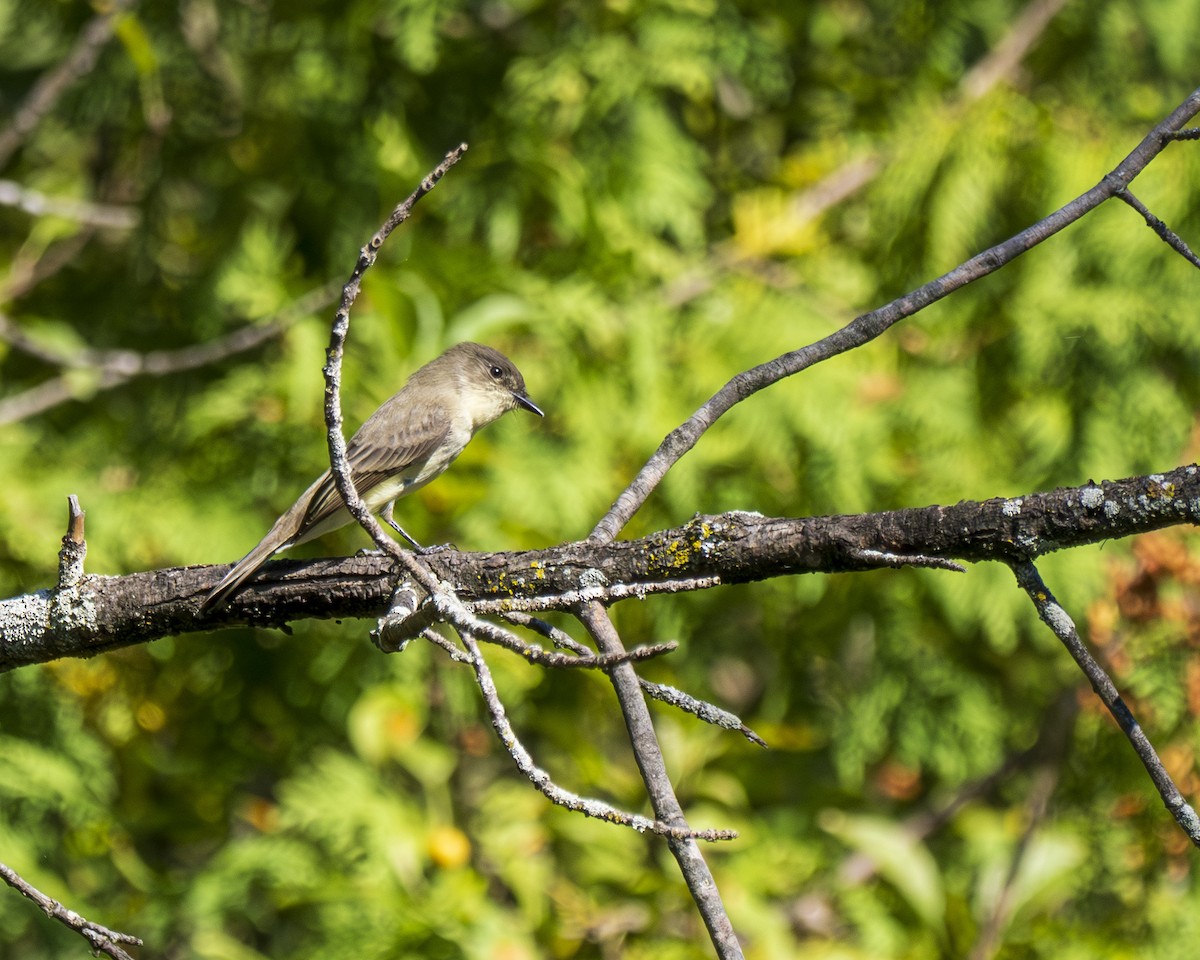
pixel 528 404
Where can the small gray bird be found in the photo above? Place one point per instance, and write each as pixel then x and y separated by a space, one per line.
pixel 404 444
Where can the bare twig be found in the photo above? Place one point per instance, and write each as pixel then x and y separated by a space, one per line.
pixel 455 654
pixel 648 753
pixel 1002 62
pixel 707 712
pixel 74 547
pixel 868 326
pixel 13 194
pixel 547 658
pixel 53 83
pixel 410 614
pixel 1165 233
pixel 403 623
pixel 101 939
pixel 333 375
pixel 1044 782
pixel 462 616
pixel 541 779
pixel 582 656
pixel 557 636
pixel 1057 619
pixel 700 708
pixel 885 559
pixel 115 367
pixel 607 593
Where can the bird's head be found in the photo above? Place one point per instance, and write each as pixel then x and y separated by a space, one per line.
pixel 490 383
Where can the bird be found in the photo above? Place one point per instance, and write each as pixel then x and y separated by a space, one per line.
pixel 411 439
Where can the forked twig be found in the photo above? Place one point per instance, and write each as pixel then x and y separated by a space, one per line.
pixel 701 709
pixel 646 750
pixel 542 780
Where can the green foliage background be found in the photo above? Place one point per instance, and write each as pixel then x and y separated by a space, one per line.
pixel 624 225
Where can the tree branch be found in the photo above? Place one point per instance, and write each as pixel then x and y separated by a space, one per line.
pixel 648 755
pixel 115 367
pixel 868 326
pixel 52 84
pixel 541 779
pixel 103 613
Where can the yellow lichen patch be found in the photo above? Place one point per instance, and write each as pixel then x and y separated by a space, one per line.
pixel 680 552
pixel 1160 489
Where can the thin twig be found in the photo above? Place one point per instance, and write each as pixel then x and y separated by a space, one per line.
pixel 1165 233
pixel 463 617
pixel 101 939
pixel 407 616
pixel 541 779
pixel 1044 782
pixel 556 635
pixel 333 378
pixel 115 367
pixel 606 593
pixel 455 654
pixel 1057 619
pixel 548 658
pixel 868 326
pixel 648 754
pixel 581 655
pixel 708 712
pixel 13 194
pixel 700 708
pixel 1003 60
pixel 909 560
pixel 52 84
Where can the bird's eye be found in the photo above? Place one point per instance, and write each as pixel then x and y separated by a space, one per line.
pixel 496 373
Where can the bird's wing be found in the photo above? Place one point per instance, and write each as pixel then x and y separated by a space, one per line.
pixel 387 444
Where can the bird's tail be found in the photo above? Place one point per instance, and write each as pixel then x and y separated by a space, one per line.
pixel 285 533
pixel 238 574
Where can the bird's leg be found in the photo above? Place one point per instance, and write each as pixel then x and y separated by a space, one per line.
pixel 386 515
